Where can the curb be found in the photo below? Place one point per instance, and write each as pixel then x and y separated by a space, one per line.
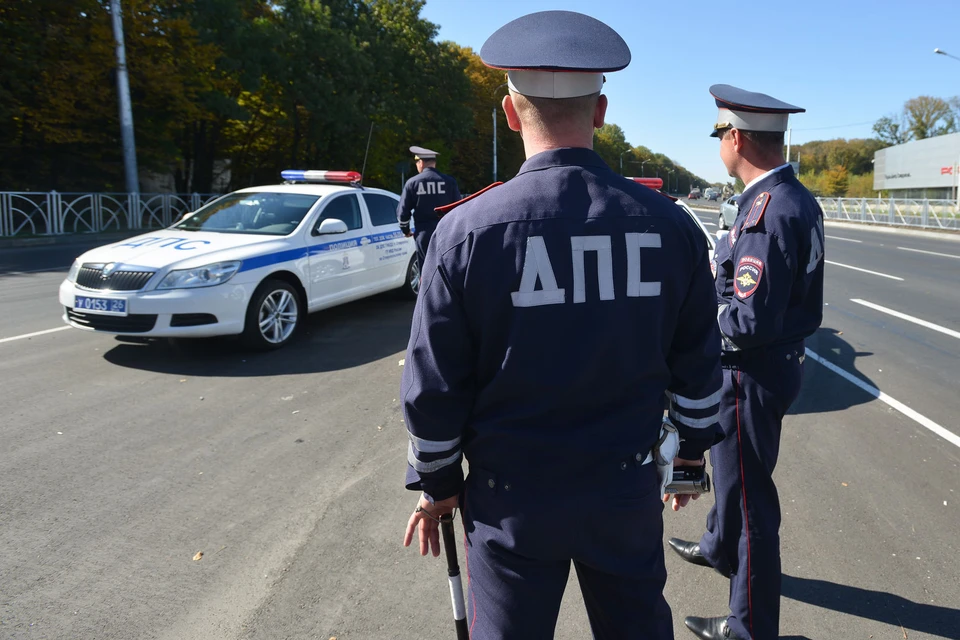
pixel 69 239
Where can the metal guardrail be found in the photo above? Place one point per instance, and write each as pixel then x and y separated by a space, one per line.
pixel 924 214
pixel 36 213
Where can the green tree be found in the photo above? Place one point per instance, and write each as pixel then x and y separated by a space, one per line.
pixel 891 130
pixel 860 186
pixel 835 181
pixel 929 117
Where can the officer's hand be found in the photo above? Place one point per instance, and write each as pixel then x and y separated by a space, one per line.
pixel 427 516
pixel 407 234
pixel 682 500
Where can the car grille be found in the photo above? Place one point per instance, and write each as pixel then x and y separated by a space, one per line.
pixel 133 323
pixel 91 276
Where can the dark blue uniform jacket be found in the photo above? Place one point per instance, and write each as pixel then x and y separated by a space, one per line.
pixel 556 314
pixel 423 193
pixel 770 267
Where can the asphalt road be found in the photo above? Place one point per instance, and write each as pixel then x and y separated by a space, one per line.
pixel 120 462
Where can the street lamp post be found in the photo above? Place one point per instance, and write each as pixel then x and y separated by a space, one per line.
pixel 669 173
pixel 944 53
pixel 493 94
pixel 123 94
pixel 621 160
pixel 641 167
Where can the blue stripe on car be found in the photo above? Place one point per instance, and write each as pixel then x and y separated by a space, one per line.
pixel 258 262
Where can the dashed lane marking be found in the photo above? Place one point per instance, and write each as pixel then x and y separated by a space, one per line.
pixel 31 335
pixel 930 253
pixel 874 273
pixel 903 316
pixel 917 417
pixel 844 239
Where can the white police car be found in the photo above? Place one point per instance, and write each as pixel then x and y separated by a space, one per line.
pixel 657 184
pixel 253 262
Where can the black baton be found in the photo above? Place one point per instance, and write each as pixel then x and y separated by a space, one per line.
pixel 453 576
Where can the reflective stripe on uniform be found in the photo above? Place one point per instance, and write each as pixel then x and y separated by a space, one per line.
pixel 695 423
pixel 432 446
pixel 695 403
pixel 432 466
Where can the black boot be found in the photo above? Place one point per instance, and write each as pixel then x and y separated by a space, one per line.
pixel 710 628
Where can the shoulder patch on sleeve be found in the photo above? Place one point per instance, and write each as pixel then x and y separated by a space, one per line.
pixel 447 208
pixel 756 211
pixel 749 272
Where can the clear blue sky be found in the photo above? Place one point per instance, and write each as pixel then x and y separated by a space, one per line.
pixel 848 62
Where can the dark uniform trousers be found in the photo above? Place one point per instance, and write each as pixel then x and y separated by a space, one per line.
pixel 743 526
pixel 523 530
pixel 422 237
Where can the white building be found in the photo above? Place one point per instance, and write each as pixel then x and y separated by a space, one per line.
pixel 928 168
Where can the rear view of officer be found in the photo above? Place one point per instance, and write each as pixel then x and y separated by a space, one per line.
pixel 422 194
pixel 559 314
pixel 770 290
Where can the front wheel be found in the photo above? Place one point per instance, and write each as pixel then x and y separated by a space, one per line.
pixel 721 222
pixel 273 317
pixel 411 283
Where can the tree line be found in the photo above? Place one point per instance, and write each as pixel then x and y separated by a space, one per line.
pixel 255 86
pixel 845 167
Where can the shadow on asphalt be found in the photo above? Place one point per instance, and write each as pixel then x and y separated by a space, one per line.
pixel 823 390
pixel 335 339
pixel 874 605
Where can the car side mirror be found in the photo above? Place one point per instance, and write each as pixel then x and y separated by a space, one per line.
pixel 331 225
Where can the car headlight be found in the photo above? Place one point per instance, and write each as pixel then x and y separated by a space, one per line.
pixel 74 270
pixel 206 276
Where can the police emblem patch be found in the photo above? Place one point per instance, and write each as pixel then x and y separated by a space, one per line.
pixel 713 268
pixel 749 272
pixel 732 236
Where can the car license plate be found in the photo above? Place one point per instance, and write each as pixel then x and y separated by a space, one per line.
pixel 106 306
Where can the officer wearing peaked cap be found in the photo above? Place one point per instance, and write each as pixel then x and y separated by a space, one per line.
pixel 422 195
pixel 769 286
pixel 559 315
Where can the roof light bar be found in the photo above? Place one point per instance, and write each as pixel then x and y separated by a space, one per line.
pixel 339 177
pixel 653 183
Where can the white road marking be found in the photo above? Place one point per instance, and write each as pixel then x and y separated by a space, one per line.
pixel 931 253
pixel 875 273
pixel 903 316
pixel 922 420
pixel 35 333
pixel 844 239
pixel 709 224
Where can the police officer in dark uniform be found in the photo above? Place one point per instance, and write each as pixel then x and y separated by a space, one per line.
pixel 769 286
pixel 421 196
pixel 559 315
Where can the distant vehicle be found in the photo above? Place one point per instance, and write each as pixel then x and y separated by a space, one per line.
pixel 694 195
pixel 253 262
pixel 711 194
pixel 728 212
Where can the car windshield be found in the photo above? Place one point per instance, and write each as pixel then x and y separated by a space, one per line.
pixel 272 214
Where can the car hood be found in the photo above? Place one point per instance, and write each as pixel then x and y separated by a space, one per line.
pixel 183 249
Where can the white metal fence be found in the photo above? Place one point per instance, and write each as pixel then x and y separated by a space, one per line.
pixel 34 213
pixel 53 213
pixel 926 214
